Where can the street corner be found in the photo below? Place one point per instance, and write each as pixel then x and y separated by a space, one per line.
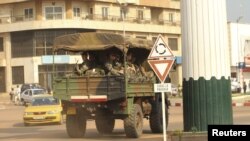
pixel 234 104
pixel 240 104
pixel 4 99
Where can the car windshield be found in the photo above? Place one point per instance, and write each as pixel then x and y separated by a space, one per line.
pixel 45 101
pixel 36 92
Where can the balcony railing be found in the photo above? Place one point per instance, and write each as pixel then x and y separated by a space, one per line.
pixel 14 19
pixel 94 17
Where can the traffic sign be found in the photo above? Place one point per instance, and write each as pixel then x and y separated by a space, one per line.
pixel 161 67
pixel 160 49
pixel 162 87
pixel 161 60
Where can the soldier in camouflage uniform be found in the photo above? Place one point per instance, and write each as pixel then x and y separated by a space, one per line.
pixel 136 72
pixel 80 69
pixel 113 66
pixel 89 66
pixel 133 70
pixel 130 68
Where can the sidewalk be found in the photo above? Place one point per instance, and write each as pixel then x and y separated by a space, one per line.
pixel 237 100
pixel 4 98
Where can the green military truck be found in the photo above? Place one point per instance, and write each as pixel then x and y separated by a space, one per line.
pixel 106 98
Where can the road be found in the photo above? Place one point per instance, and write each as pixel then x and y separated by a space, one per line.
pixel 12 128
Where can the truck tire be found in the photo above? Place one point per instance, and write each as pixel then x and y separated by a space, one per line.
pixel 155 120
pixel 76 126
pixel 133 124
pixel 104 121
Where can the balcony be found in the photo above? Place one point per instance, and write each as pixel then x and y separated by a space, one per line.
pixel 98 22
pixel 13 19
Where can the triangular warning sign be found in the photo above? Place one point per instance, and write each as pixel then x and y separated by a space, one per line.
pixel 160 49
pixel 161 68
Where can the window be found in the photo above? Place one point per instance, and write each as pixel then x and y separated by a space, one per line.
pixel 91 11
pixel 44 41
pixel 105 12
pixel 141 37
pixel 53 13
pixel 173 43
pixel 3 79
pixel 77 12
pixel 1 44
pixel 123 12
pixel 22 44
pixel 171 17
pixel 28 13
pixel 18 75
pixel 140 14
pixel 38 43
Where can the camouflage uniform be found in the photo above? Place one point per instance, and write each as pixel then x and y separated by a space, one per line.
pixel 133 71
pixel 81 69
pixel 114 68
pixel 95 72
pixel 147 76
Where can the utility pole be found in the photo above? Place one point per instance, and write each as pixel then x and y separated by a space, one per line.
pixel 240 61
pixel 206 67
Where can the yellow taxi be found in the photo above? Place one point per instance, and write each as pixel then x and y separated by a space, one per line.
pixel 43 109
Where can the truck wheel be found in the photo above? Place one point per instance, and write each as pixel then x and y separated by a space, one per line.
pixel 155 120
pixel 104 123
pixel 75 125
pixel 133 124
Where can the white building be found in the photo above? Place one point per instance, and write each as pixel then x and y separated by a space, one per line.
pixel 28 27
pixel 239 42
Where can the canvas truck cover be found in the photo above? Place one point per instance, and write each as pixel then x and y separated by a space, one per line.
pixel 98 41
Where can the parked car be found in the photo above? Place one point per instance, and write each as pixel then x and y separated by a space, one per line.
pixel 27 95
pixel 174 90
pixel 43 109
pixel 30 86
pixel 235 87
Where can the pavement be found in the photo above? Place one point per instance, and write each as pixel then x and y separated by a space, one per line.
pixel 4 98
pixel 237 100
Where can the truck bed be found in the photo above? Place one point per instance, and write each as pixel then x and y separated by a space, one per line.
pixel 98 88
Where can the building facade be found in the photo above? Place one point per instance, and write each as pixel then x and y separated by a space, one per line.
pixel 28 28
pixel 239 42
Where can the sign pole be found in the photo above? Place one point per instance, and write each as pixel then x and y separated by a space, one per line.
pixel 163 115
pixel 161 60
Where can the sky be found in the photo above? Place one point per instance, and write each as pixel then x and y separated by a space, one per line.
pixel 238 8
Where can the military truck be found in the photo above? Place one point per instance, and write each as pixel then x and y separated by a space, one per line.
pixel 106 98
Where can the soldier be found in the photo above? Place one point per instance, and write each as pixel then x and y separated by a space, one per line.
pixel 80 69
pixel 112 65
pixel 94 68
pixel 131 69
pixel 136 72
pixel 89 66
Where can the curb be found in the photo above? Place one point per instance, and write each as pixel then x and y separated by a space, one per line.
pixel 241 104
pixel 234 104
